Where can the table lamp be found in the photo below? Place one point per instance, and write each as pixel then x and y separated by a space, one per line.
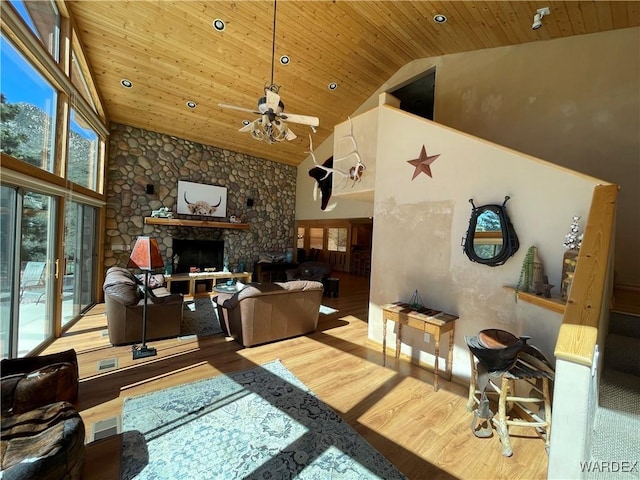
pixel 145 256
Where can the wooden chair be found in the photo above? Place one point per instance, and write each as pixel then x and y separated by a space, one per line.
pixel 535 371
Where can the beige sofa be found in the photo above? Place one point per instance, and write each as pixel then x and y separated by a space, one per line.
pixel 265 312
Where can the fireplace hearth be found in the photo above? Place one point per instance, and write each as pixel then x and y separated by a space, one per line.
pixel 198 254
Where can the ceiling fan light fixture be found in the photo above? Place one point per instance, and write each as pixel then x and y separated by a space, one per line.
pixel 270 127
pixel 126 83
pixel 191 104
pixel 439 18
pixel 332 86
pixel 245 122
pixel 219 25
pixel 270 131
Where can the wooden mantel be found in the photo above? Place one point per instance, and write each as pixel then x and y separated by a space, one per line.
pixel 176 222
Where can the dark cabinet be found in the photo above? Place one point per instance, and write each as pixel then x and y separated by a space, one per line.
pixel 271 272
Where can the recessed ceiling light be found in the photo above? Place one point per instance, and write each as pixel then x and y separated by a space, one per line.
pixel 333 86
pixel 245 122
pixel 219 25
pixel 284 60
pixel 439 18
pixel 126 83
pixel 191 104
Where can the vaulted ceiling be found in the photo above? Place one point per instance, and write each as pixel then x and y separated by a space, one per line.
pixel 171 53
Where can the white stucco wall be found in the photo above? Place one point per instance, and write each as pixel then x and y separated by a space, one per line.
pixel 574 101
pixel 419 225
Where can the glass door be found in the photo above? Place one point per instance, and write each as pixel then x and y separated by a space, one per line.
pixel 8 197
pixel 36 256
pixel 79 260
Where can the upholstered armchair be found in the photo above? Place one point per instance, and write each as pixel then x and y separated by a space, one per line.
pixel 265 312
pixel 42 432
pixel 124 305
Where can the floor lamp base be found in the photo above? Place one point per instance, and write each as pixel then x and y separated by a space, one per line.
pixel 144 352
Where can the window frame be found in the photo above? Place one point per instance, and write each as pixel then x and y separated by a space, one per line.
pixel 20 174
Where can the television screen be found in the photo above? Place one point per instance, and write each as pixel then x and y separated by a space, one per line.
pixel 200 254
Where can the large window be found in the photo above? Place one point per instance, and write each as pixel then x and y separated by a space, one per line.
pixel 316 238
pixel 78 80
pixel 83 152
pixel 28 110
pixel 49 120
pixel 42 17
pixel 337 239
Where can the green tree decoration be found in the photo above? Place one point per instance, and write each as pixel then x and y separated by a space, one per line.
pixel 525 281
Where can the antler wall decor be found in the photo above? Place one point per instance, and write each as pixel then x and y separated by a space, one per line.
pixel 356 171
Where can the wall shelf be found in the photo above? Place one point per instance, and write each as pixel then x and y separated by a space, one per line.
pixel 555 303
pixel 176 222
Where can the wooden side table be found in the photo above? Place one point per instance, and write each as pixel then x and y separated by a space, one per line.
pixel 192 278
pixel 433 322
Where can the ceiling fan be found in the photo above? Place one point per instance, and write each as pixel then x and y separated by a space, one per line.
pixel 271 125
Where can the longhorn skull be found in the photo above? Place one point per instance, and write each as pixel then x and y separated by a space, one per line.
pixel 201 207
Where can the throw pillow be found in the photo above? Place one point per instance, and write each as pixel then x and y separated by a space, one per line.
pixel 159 292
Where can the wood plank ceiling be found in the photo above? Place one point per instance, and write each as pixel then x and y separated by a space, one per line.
pixel 172 54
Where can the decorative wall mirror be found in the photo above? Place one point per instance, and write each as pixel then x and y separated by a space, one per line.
pixel 491 238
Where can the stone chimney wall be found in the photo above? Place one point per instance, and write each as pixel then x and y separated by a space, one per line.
pixel 139 157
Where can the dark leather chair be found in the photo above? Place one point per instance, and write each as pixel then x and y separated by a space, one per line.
pixel 316 271
pixel 42 432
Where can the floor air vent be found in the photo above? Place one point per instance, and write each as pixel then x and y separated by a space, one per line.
pixel 106 428
pixel 108 364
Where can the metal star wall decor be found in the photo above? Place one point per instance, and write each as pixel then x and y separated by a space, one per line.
pixel 423 163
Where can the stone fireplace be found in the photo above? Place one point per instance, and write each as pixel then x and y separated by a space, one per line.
pixel 200 254
pixel 140 157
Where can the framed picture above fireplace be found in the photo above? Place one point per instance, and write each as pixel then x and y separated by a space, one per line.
pixel 201 200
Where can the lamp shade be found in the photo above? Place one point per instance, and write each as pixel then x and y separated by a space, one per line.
pixel 145 254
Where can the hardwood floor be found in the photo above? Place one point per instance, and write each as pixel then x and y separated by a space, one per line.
pixel 426 434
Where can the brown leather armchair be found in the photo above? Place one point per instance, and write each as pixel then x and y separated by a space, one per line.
pixel 42 432
pixel 124 305
pixel 265 312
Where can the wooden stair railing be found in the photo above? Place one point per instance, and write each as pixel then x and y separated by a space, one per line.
pixel 579 330
pixel 577 366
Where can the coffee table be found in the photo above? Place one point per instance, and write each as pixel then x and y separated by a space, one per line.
pixel 222 288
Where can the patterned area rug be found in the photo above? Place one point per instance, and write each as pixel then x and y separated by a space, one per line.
pixel 200 317
pixel 261 423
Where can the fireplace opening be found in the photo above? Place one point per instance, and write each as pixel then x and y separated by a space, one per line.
pixel 199 254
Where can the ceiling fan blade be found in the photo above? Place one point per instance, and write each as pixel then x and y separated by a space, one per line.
pixel 242 109
pixel 303 119
pixel 273 100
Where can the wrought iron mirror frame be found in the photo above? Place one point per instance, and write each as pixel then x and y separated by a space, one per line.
pixel 510 243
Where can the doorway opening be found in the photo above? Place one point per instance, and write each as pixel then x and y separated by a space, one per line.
pixel 417 95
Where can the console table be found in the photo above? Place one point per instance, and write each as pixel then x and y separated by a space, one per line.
pixel 427 320
pixel 192 278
